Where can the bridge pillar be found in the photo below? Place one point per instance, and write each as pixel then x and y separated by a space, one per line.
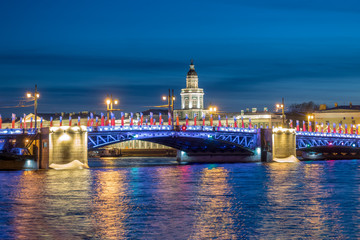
pixel 62 145
pixel 283 143
pixel 265 143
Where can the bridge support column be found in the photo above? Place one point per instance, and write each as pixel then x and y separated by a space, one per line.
pixel 62 145
pixel 265 143
pixel 283 143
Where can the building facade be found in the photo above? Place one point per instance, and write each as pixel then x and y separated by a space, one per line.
pixel 339 115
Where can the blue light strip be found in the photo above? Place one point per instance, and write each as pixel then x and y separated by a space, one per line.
pixel 169 128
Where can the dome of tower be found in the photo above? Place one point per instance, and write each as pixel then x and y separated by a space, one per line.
pixel 192 71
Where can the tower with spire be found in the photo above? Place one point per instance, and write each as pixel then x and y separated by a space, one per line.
pixel 192 97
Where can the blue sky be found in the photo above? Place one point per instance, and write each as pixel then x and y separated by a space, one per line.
pixel 246 54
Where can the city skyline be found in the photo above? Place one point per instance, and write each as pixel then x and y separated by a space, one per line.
pixel 246 54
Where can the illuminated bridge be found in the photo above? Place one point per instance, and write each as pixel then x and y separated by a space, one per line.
pixel 194 138
pixel 200 140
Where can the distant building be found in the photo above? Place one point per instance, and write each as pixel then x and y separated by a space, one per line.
pixel 349 114
pixel 192 97
pixel 264 119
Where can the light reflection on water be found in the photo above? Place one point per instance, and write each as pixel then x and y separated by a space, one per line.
pixel 135 199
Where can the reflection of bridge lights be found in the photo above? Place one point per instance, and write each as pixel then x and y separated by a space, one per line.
pixel 354 145
pixel 330 143
pixel 136 136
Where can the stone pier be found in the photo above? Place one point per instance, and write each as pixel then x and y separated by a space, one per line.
pixel 61 145
pixel 283 143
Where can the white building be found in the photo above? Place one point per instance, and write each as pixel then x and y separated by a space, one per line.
pixel 192 97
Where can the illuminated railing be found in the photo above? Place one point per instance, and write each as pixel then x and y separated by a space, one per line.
pixel 319 134
pixel 168 128
pixel 16 131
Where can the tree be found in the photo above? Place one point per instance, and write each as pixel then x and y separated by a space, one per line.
pixel 304 107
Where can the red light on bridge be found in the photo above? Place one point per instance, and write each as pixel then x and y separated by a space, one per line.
pixel 183 128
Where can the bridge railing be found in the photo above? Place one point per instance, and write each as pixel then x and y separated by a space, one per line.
pixel 168 128
pixel 17 131
pixel 320 134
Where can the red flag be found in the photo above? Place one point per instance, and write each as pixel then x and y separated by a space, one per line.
pixel 31 124
pixel 102 119
pixel 219 120
pixel 203 118
pixel 141 118
pixel 13 116
pixel 235 122
pixel 113 120
pixel 41 122
pixel 91 119
pixel 70 122
pixel 88 122
pixel 122 119
pixel 242 122
pixel 169 118
pixel 160 119
pixel 177 120
pixel 250 126
pixel 0 121
pixel 186 120
pixel 131 119
pixel 195 119
pixel 211 120
pixel 297 126
pixel 304 126
pixel 79 121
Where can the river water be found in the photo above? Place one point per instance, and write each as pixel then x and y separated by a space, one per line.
pixel 153 198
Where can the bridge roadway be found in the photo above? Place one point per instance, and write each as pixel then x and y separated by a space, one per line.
pixel 199 138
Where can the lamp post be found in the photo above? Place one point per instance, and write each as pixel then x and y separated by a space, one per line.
pixel 282 107
pixel 34 96
pixel 109 105
pixel 171 100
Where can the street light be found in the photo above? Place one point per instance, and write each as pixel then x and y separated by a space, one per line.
pixel 212 109
pixel 282 107
pixel 109 105
pixel 34 97
pixel 171 100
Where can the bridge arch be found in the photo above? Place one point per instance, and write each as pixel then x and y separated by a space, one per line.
pixel 188 141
